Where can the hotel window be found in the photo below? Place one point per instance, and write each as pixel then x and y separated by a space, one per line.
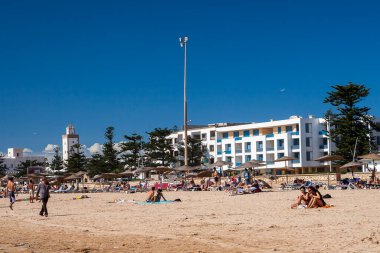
pixel 279 155
pixel 211 148
pixel 247 158
pixel 279 130
pixel 308 127
pixel 212 135
pixel 229 159
pixel 228 147
pixel 296 142
pixel 236 134
pixel 280 143
pixel 309 155
pixel 225 135
pixel 289 129
pixel 246 133
pixel 308 141
pixel 256 132
pixel 204 137
pixel 324 141
pixel 259 144
pixel 296 155
pixel 248 146
pixel 297 128
pixel 260 157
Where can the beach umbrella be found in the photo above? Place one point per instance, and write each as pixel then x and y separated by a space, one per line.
pixel 373 157
pixel 330 159
pixel 205 173
pixel 72 177
pixel 109 175
pixel 351 165
pixel 285 159
pixel 185 168
pixel 220 164
pixel 127 173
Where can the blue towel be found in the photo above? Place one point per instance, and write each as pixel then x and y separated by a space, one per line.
pixel 152 203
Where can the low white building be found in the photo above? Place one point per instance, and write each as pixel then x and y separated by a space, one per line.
pixel 304 139
pixel 15 156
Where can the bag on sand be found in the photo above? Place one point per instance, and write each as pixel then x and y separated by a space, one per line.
pixel 327 196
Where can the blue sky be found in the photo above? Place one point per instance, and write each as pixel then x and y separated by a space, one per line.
pixel 118 63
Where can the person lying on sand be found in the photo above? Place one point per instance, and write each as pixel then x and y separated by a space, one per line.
pixel 159 195
pixel 302 199
pixel 150 197
pixel 82 197
pixel 316 198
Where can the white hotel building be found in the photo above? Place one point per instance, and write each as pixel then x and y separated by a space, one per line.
pixel 304 139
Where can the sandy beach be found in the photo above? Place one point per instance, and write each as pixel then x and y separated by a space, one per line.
pixel 202 222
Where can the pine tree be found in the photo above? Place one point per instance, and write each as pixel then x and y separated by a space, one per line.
pixel 56 164
pixel 77 160
pixel 96 165
pixel 131 150
pixel 350 123
pixel 159 148
pixel 109 152
pixel 195 151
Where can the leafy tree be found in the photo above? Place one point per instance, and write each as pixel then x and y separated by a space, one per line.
pixel 2 166
pixel 159 148
pixel 109 151
pixel 56 163
pixel 96 165
pixel 77 160
pixel 350 122
pixel 131 149
pixel 22 167
pixel 195 151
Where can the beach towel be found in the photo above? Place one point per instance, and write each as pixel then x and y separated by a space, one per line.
pixel 154 203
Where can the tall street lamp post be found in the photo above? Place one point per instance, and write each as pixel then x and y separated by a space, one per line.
pixel 183 43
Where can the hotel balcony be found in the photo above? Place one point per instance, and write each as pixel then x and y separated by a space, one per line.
pixel 259 149
pixel 296 161
pixel 219 140
pixel 323 132
pixel 238 151
pixel 323 146
pixel 238 138
pixel 270 162
pixel 228 152
pixel 295 133
pixel 280 148
pixel 295 146
pixel 219 152
pixel 269 135
pixel 238 164
pixel 248 151
pixel 270 148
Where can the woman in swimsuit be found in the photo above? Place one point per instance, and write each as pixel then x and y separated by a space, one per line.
pixel 316 198
pixel 10 190
pixel 159 195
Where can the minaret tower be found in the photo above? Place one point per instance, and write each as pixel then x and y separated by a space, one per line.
pixel 68 141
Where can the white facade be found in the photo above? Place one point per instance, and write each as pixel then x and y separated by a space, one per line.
pixel 15 156
pixel 68 141
pixel 304 139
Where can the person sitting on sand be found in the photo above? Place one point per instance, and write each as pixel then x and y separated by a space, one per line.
pixel 159 195
pixel 302 199
pixel 150 197
pixel 316 198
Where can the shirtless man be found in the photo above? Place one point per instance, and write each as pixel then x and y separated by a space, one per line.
pixel 10 190
pixel 150 197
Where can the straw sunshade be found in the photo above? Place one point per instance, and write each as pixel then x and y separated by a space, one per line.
pixel 329 158
pixel 185 168
pixel 127 173
pixel 109 175
pixel 162 169
pixel 351 165
pixel 72 177
pixel 206 173
pixel 285 159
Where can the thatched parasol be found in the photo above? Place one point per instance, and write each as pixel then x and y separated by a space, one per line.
pixel 285 159
pixel 330 159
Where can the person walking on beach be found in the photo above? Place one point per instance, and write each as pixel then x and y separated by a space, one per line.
pixel 10 190
pixel 31 191
pixel 44 195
